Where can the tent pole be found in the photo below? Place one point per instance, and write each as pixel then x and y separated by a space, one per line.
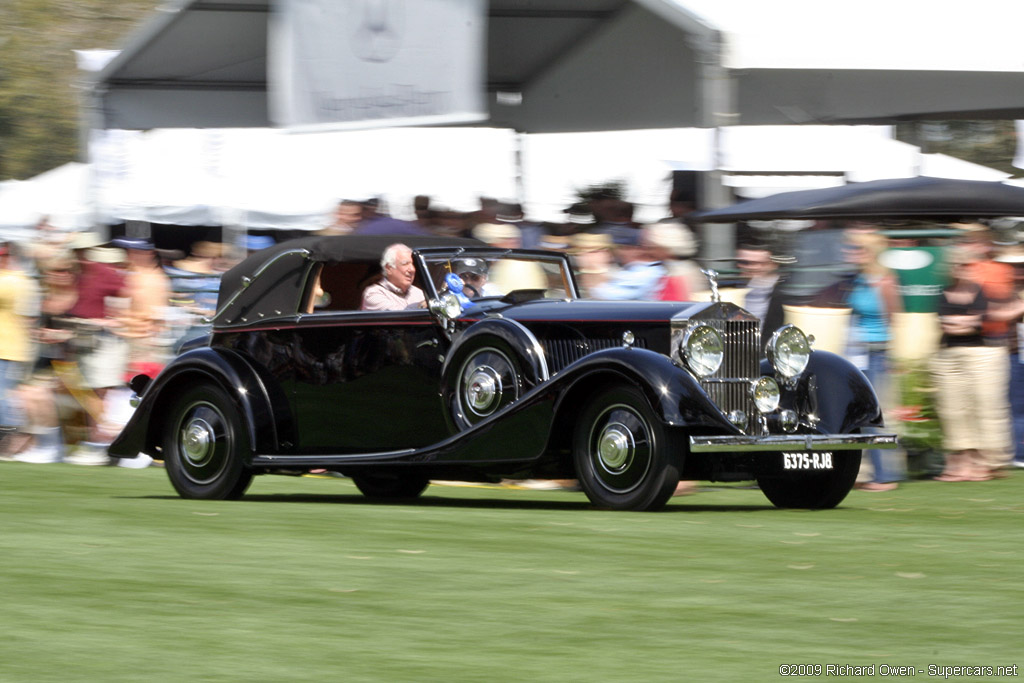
pixel 717 110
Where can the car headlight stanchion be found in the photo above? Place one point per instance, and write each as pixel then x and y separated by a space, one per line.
pixel 703 350
pixel 789 352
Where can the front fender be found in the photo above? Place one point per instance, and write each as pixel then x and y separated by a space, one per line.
pixel 228 369
pixel 836 392
pixel 675 394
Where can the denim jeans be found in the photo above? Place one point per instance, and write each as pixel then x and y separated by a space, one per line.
pixel 882 461
pixel 10 377
pixel 1017 405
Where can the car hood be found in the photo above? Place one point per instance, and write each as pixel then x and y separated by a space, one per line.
pixel 584 310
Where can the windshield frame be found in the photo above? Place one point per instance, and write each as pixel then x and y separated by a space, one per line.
pixel 433 256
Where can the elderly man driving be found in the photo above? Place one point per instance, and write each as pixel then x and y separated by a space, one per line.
pixel 394 291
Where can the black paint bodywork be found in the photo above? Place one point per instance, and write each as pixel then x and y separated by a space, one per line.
pixel 363 392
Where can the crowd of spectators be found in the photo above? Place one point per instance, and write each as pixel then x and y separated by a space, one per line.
pixel 80 315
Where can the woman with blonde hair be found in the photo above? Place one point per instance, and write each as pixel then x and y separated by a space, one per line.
pixel 871 292
pixel 874 296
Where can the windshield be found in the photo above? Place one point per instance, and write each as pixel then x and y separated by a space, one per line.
pixel 496 273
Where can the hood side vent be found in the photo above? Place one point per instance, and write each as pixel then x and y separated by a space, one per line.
pixel 563 352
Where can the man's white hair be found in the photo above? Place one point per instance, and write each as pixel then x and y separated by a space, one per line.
pixel 390 255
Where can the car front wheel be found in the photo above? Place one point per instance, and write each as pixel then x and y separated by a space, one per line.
pixel 623 453
pixel 204 447
pixel 813 490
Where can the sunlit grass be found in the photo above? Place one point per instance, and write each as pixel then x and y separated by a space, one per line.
pixel 107 575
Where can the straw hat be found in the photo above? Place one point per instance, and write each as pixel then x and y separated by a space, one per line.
pixel 676 239
pixel 199 261
pixel 589 241
pixel 85 240
pixel 206 249
pixel 492 233
pixel 106 255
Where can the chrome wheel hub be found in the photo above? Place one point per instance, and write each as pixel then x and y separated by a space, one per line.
pixel 483 390
pixel 197 441
pixel 615 447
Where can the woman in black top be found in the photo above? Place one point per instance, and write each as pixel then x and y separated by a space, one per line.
pixel 961 310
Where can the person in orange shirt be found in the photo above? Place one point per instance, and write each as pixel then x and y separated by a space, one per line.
pixel 997 283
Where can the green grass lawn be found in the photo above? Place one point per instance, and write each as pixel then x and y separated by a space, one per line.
pixel 106 575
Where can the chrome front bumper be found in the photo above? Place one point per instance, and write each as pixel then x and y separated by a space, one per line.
pixel 791 443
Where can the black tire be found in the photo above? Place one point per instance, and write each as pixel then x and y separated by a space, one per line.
pixel 624 455
pixel 390 487
pixel 809 490
pixel 205 446
pixel 487 378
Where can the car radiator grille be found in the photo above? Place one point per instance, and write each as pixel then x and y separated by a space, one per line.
pixel 562 352
pixel 729 387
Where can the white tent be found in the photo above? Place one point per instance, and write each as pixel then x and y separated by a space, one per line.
pixel 60 194
pixel 755 161
pixel 267 178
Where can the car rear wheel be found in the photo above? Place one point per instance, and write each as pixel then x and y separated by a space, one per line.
pixel 623 453
pixel 384 486
pixel 205 445
pixel 811 490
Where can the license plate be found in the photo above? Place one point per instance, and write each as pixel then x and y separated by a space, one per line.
pixel 806 461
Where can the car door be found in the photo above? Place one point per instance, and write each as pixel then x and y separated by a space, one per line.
pixel 367 381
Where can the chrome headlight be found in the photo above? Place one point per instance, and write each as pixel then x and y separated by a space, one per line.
pixel 789 351
pixel 447 307
pixel 765 392
pixel 703 350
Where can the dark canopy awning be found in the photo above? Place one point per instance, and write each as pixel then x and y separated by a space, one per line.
pixel 920 197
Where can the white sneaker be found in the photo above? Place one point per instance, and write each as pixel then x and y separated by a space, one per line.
pixel 89 453
pixel 38 455
pixel 140 461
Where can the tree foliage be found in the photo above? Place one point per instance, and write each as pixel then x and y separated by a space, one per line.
pixel 989 143
pixel 40 84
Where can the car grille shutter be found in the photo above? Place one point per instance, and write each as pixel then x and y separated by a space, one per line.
pixel 562 352
pixel 729 388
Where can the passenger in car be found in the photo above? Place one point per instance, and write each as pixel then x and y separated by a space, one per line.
pixel 395 291
pixel 473 272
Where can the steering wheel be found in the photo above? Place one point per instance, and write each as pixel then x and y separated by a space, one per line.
pixel 470 291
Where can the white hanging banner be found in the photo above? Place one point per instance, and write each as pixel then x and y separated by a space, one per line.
pixel 374 63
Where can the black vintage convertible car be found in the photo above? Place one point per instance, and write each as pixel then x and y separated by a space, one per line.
pixel 503 372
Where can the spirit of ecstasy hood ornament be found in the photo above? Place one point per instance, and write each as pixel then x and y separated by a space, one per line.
pixel 712 276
